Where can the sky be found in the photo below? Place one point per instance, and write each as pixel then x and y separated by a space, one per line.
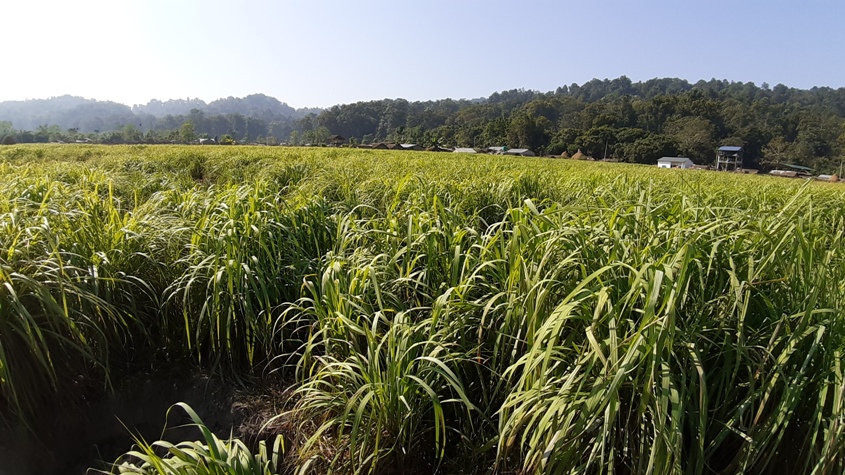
pixel 318 53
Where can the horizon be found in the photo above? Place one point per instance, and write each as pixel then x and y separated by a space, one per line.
pixel 312 55
pixel 483 97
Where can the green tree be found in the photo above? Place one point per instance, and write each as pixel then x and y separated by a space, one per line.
pixel 649 149
pixel 526 131
pixel 695 137
pixel 187 133
pixel 6 128
pixel 777 152
pixel 130 134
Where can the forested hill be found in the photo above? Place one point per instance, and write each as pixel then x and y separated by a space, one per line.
pixel 88 115
pixel 635 122
pixel 621 119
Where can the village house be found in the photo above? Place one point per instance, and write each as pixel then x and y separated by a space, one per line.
pixel 522 152
pixel 674 162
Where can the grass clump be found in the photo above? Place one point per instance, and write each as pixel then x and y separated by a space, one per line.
pixel 208 456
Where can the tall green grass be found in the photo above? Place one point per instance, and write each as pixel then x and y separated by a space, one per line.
pixel 480 314
pixel 208 456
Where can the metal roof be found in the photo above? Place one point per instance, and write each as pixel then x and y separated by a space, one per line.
pixel 798 167
pixel 674 159
pixel 730 149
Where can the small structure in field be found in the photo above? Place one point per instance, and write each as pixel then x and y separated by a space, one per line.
pixel 793 171
pixel 411 146
pixel 579 155
pixel 336 140
pixel 464 150
pixel 729 158
pixel 565 154
pixel 522 152
pixel 674 162
pixel 9 140
pixel 496 150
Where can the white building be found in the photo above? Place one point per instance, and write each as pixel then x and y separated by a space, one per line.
pixel 519 151
pixel 464 150
pixel 674 162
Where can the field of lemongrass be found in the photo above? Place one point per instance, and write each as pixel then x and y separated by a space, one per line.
pixel 435 312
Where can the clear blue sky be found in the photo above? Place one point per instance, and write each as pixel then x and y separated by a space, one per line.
pixel 321 53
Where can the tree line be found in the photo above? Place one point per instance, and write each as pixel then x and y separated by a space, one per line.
pixel 620 119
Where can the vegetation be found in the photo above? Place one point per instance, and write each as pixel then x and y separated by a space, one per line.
pixel 633 122
pixel 211 456
pixel 438 312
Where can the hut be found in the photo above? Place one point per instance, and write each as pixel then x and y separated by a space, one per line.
pixel 464 150
pixel 729 158
pixel 522 152
pixel 579 155
pixel 336 140
pixel 674 162
pixel 565 154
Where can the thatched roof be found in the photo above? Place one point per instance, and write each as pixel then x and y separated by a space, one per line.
pixel 579 155
pixel 565 154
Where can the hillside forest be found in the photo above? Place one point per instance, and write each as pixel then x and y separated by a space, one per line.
pixel 618 119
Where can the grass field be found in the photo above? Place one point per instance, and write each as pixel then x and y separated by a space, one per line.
pixel 438 311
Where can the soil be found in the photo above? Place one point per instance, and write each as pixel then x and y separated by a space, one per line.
pixel 95 434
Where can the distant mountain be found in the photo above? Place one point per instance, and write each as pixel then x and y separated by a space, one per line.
pixel 157 108
pixel 256 106
pixel 66 111
pixel 89 115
